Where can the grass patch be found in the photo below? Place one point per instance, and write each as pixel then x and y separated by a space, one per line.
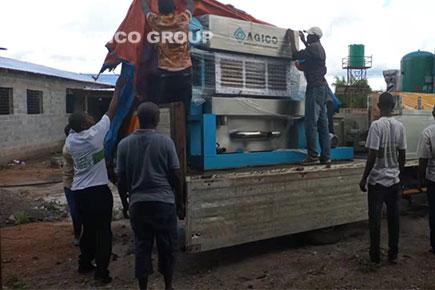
pixel 15 283
pixel 52 206
pixel 22 217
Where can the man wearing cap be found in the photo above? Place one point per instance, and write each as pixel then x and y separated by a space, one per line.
pixel 316 119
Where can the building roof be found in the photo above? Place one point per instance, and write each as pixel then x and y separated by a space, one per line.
pixel 108 78
pixel 22 66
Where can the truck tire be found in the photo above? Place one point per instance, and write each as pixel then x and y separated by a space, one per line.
pixel 326 236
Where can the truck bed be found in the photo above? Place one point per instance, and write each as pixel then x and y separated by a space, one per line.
pixel 233 207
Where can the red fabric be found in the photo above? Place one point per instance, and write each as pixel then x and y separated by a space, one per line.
pixel 135 20
pixel 130 52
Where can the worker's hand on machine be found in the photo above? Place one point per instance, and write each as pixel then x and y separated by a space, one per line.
pixel 302 36
pixel 363 185
pixel 288 34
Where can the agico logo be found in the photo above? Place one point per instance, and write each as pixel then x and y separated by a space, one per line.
pixel 241 36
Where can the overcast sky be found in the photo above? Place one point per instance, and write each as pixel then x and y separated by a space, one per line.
pixel 71 35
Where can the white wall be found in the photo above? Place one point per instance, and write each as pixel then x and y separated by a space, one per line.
pixel 22 135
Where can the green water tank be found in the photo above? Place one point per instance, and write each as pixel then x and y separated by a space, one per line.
pixel 417 72
pixel 356 56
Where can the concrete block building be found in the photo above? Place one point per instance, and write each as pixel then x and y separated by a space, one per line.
pixel 35 102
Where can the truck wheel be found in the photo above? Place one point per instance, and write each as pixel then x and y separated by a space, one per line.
pixel 326 236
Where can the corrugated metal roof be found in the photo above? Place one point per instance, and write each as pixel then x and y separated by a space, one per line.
pixel 18 65
pixel 108 78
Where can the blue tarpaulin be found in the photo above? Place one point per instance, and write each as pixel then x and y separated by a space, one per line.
pixel 126 99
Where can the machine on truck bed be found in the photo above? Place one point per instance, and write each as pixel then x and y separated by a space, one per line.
pixel 248 111
pixel 251 114
pixel 248 96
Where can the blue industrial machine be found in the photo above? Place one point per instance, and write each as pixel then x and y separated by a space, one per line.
pixel 247 107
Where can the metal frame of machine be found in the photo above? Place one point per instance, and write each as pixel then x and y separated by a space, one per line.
pixel 209 159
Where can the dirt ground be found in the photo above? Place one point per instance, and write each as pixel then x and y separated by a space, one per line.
pixel 41 255
pixel 33 192
pixel 22 202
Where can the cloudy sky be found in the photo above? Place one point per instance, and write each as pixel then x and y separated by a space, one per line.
pixel 71 35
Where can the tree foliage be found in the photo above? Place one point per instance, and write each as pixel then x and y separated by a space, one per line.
pixel 353 95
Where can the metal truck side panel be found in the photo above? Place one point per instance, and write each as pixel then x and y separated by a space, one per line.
pixel 230 209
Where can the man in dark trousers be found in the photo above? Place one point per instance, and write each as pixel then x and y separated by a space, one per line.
pixel 386 144
pixel 149 174
pixel 94 201
pixel 426 155
pixel 316 119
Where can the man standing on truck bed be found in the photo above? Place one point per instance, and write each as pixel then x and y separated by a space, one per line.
pixel 426 155
pixel 149 172
pixel 94 201
pixel 172 81
pixel 386 143
pixel 316 119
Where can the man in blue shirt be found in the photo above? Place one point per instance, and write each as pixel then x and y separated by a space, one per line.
pixel 150 177
pixel 316 120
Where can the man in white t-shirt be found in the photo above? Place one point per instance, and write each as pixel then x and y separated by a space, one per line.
pixel 426 155
pixel 92 195
pixel 386 143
